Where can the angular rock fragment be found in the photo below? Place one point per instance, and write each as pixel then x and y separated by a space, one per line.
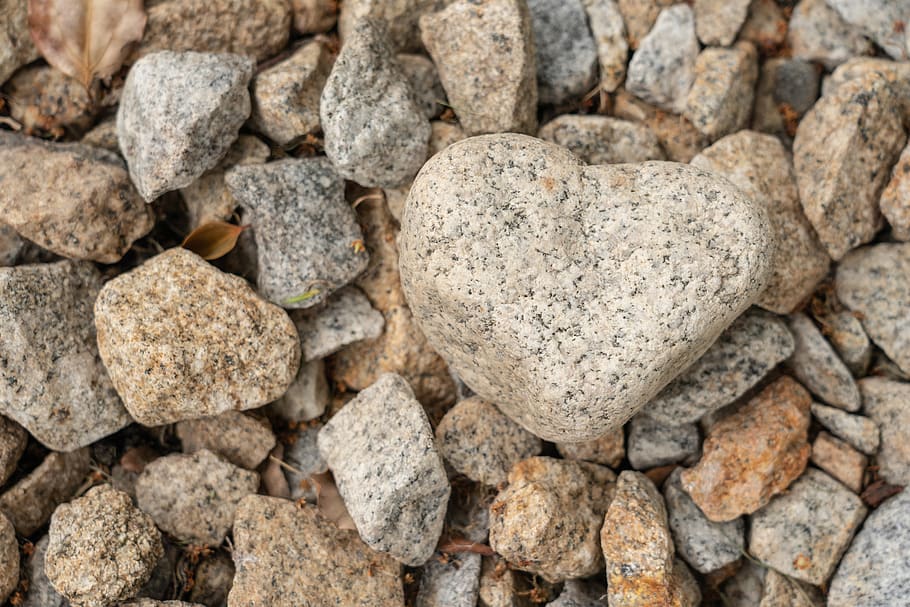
pixel 346 317
pixel 718 21
pixel 859 431
pixel 608 27
pixel 652 443
pixel 241 439
pixel 817 33
pixel 845 332
pixel 603 140
pixel 723 88
pixel 307 396
pixel 840 460
pixel 895 200
pixel 608 450
pixel 885 402
pixel 817 367
pixel 566 53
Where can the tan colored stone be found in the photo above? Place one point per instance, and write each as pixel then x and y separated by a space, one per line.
pixel 45 100
pixel 840 460
pixel 314 16
pixel 895 200
pixel 765 26
pixel 608 450
pixel 239 438
pixel 720 100
pixel 678 137
pixel 639 16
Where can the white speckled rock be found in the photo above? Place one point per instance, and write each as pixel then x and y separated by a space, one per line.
pixel 817 367
pixel 718 21
pixel 381 450
pixel 663 68
pixel 375 133
pixel 609 31
pixel 566 54
pixel 817 33
pixel 659 272
pixel 720 99
pixel 652 443
pixel 859 431
pixel 885 401
pixel 346 317
pixel 875 571
pixel 879 20
pixel 602 139
pixel 896 72
pixel 179 113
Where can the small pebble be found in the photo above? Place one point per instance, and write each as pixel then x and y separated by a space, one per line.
pixel 500 585
pixel 679 139
pixel 640 16
pixel 40 591
pixel 609 30
pixel 401 17
pixel 608 450
pixel 845 332
pixel 241 439
pixel 45 100
pixel 840 460
pixel 450 584
pixel 653 444
pixel 213 580
pixel 566 52
pixel 718 21
pixel 603 140
pixel 720 99
pixel 9 559
pixel 307 396
pixel 816 365
pixel 765 26
pixel 885 402
pixel 859 431
pixel 817 33
pixel 782 591
pixel 346 317
pixel 303 456
pixel 895 200
pixel 787 89
pixel 421 72
pixel 745 589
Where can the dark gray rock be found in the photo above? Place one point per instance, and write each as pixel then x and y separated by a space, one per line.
pixel 796 83
pixel 40 591
pixel 566 54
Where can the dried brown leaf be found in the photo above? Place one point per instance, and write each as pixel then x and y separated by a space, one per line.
pixel 878 491
pixel 85 39
pixel 213 240
pixel 462 544
pixel 329 501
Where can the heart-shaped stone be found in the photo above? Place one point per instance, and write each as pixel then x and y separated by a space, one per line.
pixel 567 294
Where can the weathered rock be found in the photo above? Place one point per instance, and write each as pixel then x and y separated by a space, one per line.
pixel 639 16
pixel 817 33
pixel 307 396
pixel 548 520
pixel 782 591
pixel 285 97
pixel 103 135
pixel 303 456
pixel 40 591
pixel 486 60
pixel 609 30
pixel 879 20
pixel 501 586
pixel 103 526
pixel 804 532
pixel 895 200
pixel 653 444
pixel 380 449
pixel 450 584
pixel 817 367
pixel 443 134
pixel 468 307
pixel 679 139
pixel 760 166
pixel 9 558
pixel 423 76
pixel 179 114
pixel 45 100
pixel 321 565
pixel 663 68
pixel 718 21
pixel 305 231
pixel 13 439
pixel 170 363
pixel 875 570
pixel 859 431
pixel 765 26
pixel 401 17
pixel 753 454
pixel 482 443
pixel 53 379
pixel 565 49
pixel 608 450
pixel 16 47
pixel 259 28
pixel 346 317
pixel 73 199
pixel 212 581
pixel 845 332
pixel 875 283
pixel 840 460
pixel 720 99
pixel 746 587
pixel 885 401
pixel 638 548
pixel 241 439
pixel 603 140
pixel 743 354
pixel 897 73
pixel 375 133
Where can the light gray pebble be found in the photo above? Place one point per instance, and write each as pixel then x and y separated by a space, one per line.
pixel 718 21
pixel 885 401
pixel 179 113
pixel 878 19
pixel 602 139
pixel 307 396
pixel 454 583
pixel 303 456
pixel 41 592
pixel 381 450
pixel 609 30
pixel 845 332
pixel 346 317
pixel 817 366
pixel 858 430
pixel 817 33
pixel 652 443
pixel 566 53
pixel 720 99
pixel 421 72
pixel 239 438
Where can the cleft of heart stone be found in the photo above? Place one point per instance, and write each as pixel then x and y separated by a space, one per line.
pixel 567 294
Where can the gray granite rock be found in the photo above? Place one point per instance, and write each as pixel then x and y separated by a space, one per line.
pixel 401 17
pixel 346 317
pixel 40 591
pixel 639 16
pixel 303 456
pixel 53 380
pixel 858 430
pixel 720 99
pixel 878 19
pixel 13 439
pixel 875 571
pixel 796 83
pixel 566 53
pixel 285 96
pixel 421 72
pixel 816 365
pixel 875 283
pixel 16 47
pixel 718 21
pixel 663 68
pixel 840 171
pixel 528 280
pixel 607 450
pixel 609 30
pixel 845 332
pixel 9 559
pixel 375 132
pixel 380 448
pixel 482 443
pixel 705 545
pixel 193 497
pixel 602 139
pixel 745 353
pixel 241 439
pixel 167 359
pixel 840 460
pixel 450 584
pixel 306 233
pixel 102 526
pixel 73 199
pixel 818 33
pixel 307 396
pixel 578 593
pixel 895 200
pixel 803 532
pixel 179 113
pixel 885 401
pixel 487 65
pixel 288 556
pixel 782 591
pixel 652 443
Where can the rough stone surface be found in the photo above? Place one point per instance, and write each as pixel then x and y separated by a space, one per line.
pixel 346 317
pixel 73 199
pixel 817 33
pixel 9 558
pixel 746 587
pixel 718 21
pixel 548 520
pixel 450 584
pixel 639 16
pixel 753 454
pixel 607 450
pixel 603 140
pixel 782 591
pixel 845 332
pixel 705 545
pixel 508 317
pixel 761 167
pixel 743 354
pixel 875 283
pixel 679 139
pixel 258 28
pixel 787 89
pixel 652 443
pixel 304 229
pixel 885 401
pixel 486 60
pixel 307 396
pixel 421 72
pixel 30 502
pixel 482 443
pixel 103 526
pixel 817 367
pixel 638 548
pixel 13 439
pixel 320 565
pixel 895 200
pixel 841 171
pixel 609 30
pixel 154 603
pixel 897 73
pixel 16 47
pixel 401 16
pixel 166 358
pixel 804 532
pixel 840 460
pixel 380 448
pixel 859 431
pixel 193 497
pixel 213 579
pixel 375 132
pixel 40 591
pixel 241 439
pixel 53 380
pixel 723 88
pixel 875 571
pixel 45 100
pixel 179 114
pixel 566 53
pixel 878 19
pixel 11 245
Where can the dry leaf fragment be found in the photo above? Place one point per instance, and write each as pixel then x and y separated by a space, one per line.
pixel 329 501
pixel 213 240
